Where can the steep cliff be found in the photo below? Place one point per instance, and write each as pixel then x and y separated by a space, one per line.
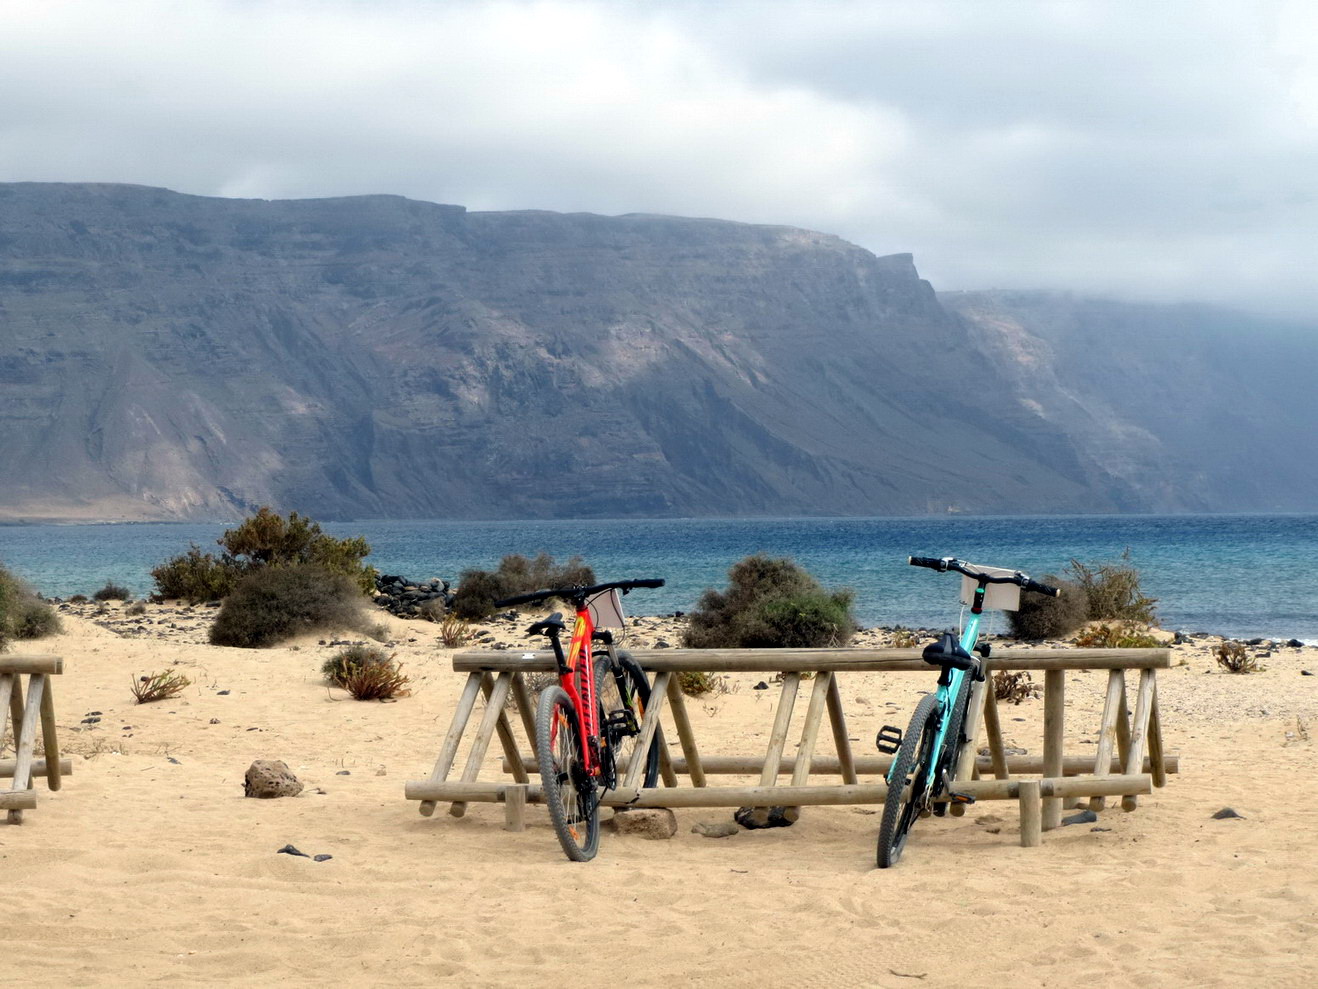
pixel 175 356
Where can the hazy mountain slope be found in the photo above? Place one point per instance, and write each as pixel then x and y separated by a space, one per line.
pixel 1196 407
pixel 176 356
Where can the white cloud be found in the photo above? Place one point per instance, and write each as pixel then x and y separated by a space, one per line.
pixel 1158 149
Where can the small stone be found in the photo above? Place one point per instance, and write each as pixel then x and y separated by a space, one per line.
pixel 322 857
pixel 1084 817
pixel 290 850
pixel 761 686
pixel 715 829
pixel 1294 643
pixel 654 823
pixel 269 778
pixel 174 761
pixel 90 721
pixel 215 721
pixel 343 772
pixel 221 693
pixel 1306 673
pixel 1100 829
pixel 754 818
pixel 1225 813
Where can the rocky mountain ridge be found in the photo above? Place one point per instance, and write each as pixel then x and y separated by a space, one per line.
pixel 172 356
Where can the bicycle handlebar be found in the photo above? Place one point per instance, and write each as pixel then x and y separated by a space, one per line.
pixel 951 563
pixel 578 593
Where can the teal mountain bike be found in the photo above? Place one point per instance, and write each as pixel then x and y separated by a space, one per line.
pixel 922 774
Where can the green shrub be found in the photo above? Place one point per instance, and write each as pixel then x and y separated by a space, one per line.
pixel 1044 617
pixel 113 592
pixel 78 599
pixel 770 603
pixel 268 539
pixel 23 615
pixel 337 668
pixel 277 602
pixel 479 589
pixel 196 576
pixel 1113 591
pixel 698 683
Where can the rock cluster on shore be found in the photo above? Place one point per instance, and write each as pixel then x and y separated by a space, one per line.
pixel 406 599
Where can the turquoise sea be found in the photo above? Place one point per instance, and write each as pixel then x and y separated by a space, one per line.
pixel 1237 575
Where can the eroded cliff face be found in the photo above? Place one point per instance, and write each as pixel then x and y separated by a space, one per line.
pixel 173 356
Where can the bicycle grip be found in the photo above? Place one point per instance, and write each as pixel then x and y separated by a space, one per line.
pixel 926 561
pixel 647 582
pixel 1037 588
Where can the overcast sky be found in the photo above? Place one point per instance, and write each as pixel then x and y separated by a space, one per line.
pixel 1148 149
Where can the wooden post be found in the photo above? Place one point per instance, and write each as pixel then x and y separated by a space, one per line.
pixel 993 729
pixel 25 738
pixel 525 707
pixel 649 728
pixel 841 741
pixel 505 729
pixel 38 768
pixel 685 736
pixel 1139 731
pixel 777 739
pixel 805 752
pixel 6 691
pixel 1054 717
pixel 1031 805
pixel 453 739
pixel 1156 758
pixel 489 722
pixel 49 740
pixel 965 767
pixel 1123 724
pixel 514 807
pixel 1107 731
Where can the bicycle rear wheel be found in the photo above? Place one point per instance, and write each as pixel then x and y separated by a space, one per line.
pixel 911 766
pixel 625 690
pixel 570 793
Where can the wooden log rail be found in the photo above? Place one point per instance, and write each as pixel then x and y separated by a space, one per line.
pixel 1129 761
pixel 38 710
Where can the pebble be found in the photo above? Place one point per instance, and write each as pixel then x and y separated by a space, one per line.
pixel 1084 817
pixel 322 857
pixel 290 850
pixel 715 829
pixel 1225 813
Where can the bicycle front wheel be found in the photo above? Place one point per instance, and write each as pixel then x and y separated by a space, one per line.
pixel 624 694
pixel 906 781
pixel 570 793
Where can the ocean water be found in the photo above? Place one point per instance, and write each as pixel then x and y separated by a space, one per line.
pixel 1237 575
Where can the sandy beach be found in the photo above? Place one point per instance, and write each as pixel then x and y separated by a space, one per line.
pixel 150 865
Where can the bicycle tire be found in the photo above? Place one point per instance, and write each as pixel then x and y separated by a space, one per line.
pixel 626 688
pixel 902 805
pixel 570 794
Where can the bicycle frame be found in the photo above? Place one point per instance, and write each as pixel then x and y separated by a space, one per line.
pixel 947 692
pixel 576 675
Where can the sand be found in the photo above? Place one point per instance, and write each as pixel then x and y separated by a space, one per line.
pixel 151 866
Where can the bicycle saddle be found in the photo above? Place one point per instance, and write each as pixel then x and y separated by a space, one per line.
pixel 554 621
pixel 948 652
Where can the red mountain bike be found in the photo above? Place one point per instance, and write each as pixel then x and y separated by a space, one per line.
pixel 586 727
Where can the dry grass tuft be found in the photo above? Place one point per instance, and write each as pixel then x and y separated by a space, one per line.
pixel 1014 687
pixel 1119 635
pixel 377 681
pixel 159 686
pixel 454 631
pixel 1233 657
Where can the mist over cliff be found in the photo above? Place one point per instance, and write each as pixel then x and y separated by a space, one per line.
pixel 172 356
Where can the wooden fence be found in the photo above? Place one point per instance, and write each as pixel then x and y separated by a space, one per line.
pixel 1129 759
pixel 38 709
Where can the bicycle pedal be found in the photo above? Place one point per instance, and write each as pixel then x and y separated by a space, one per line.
pixel 889 739
pixel 621 723
pixel 959 798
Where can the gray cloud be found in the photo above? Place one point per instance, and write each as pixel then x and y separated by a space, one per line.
pixel 1154 150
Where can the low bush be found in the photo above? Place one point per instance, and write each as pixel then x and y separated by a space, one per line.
pixel 454 631
pixel 770 603
pixel 1233 657
pixel 158 686
pixel 23 615
pixel 135 609
pixel 1042 616
pixel 479 589
pixel 698 683
pixel 1117 635
pixel 377 681
pixel 1112 591
pixel 337 668
pixel 272 604
pixel 196 576
pixel 1014 687
pixel 113 592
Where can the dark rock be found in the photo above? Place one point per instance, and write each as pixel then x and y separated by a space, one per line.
pixel 1306 673
pixel 1100 829
pixel 343 772
pixel 761 686
pixel 1226 813
pixel 322 858
pixel 1294 643
pixel 749 819
pixel 1084 817
pixel 290 850
pixel 221 693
